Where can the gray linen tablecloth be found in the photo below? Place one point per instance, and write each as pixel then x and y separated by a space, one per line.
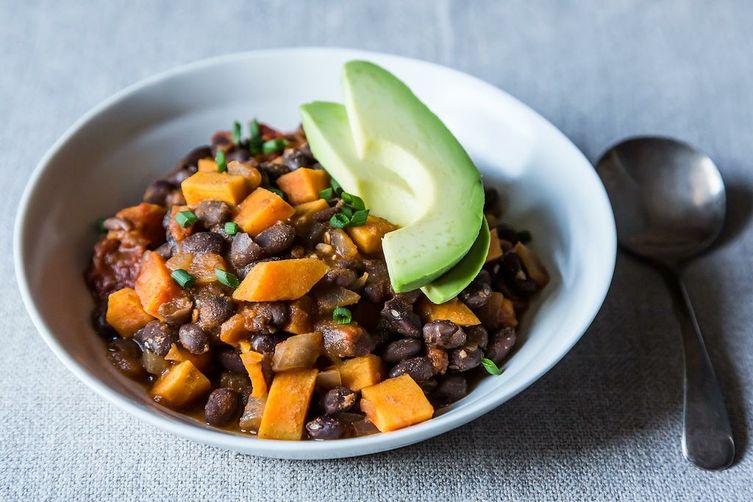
pixel 603 424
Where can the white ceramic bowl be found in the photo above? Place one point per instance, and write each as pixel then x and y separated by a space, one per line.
pixel 108 157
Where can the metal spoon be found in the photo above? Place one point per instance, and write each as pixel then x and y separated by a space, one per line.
pixel 669 204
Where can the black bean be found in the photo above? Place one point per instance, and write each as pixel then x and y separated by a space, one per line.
pixel 507 233
pixel 203 242
pixel 477 335
pixel 193 339
pixel 500 344
pixel 408 298
pixel 345 340
pixel 401 317
pixel 244 250
pixel 450 389
pixel 340 276
pixel 325 214
pixel 491 200
pixel 176 311
pixel 276 239
pixel 299 157
pixel 266 318
pixel 222 406
pixel 315 233
pixel 439 360
pixel 213 311
pixel 157 192
pixel 213 212
pixel 239 154
pixel 465 358
pixel 125 355
pixel 419 368
pixel 178 176
pixel 443 334
pixel 382 335
pixel 222 140
pixel 156 336
pixel 378 286
pixel 476 294
pixel 338 400
pixel 239 382
pixel 230 360
pixel 401 349
pixel 325 428
pixel 265 343
pixel 165 251
pixel 273 170
pixel 192 159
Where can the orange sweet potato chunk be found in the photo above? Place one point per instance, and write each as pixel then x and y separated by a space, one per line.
pixel 310 207
pixel 360 372
pixel 176 231
pixel 287 404
pixel 301 316
pixel 495 247
pixel 453 310
pixel 368 237
pixel 147 220
pixel 214 186
pixel 207 166
pixel 154 286
pixel 253 361
pixel 203 362
pixel 261 210
pixel 247 170
pixel 280 280
pixel 125 313
pixel 303 184
pixel 532 264
pixel 180 385
pixel 395 403
pixel 233 330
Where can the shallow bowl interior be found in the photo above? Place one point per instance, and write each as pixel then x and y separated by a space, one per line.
pixel 105 161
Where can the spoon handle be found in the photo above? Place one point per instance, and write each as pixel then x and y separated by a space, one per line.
pixel 707 436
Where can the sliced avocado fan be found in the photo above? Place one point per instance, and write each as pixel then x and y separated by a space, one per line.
pixel 387 147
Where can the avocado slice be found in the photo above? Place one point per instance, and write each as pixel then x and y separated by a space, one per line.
pixel 387 147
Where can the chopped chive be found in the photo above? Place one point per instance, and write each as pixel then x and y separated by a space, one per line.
pixel 274 145
pixel 347 211
pixel 359 218
pixel 339 220
pixel 183 278
pixel 341 315
pixel 231 228
pixel 524 236
pixel 226 278
pixel 236 133
pixel 219 159
pixel 186 218
pixel 277 191
pixel 336 186
pixel 254 140
pixel 490 367
pixel 353 201
pixel 327 194
pixel 100 225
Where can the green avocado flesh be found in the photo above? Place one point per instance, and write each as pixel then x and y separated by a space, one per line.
pixel 387 147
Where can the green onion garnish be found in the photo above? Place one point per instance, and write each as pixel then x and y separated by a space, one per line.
pixel 226 278
pixel 490 367
pixel 341 315
pixel 274 145
pixel 336 186
pixel 231 228
pixel 219 159
pixel 347 211
pixel 339 220
pixel 254 140
pixel 236 133
pixel 183 278
pixel 100 225
pixel 524 236
pixel 359 218
pixel 186 218
pixel 353 201
pixel 277 191
pixel 327 194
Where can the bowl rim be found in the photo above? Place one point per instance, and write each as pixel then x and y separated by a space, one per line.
pixel 278 448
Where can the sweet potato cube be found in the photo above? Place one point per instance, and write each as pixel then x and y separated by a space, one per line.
pixel 301 316
pixel 360 372
pixel 395 403
pixel 125 313
pixel 303 184
pixel 310 207
pixel 495 247
pixel 253 362
pixel 329 379
pixel 147 220
pixel 498 312
pixel 176 231
pixel 261 210
pixel 180 385
pixel 233 330
pixel 154 286
pixel 214 186
pixel 207 166
pixel 368 237
pixel 203 362
pixel 287 404
pixel 247 170
pixel 532 264
pixel 453 310
pixel 280 280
